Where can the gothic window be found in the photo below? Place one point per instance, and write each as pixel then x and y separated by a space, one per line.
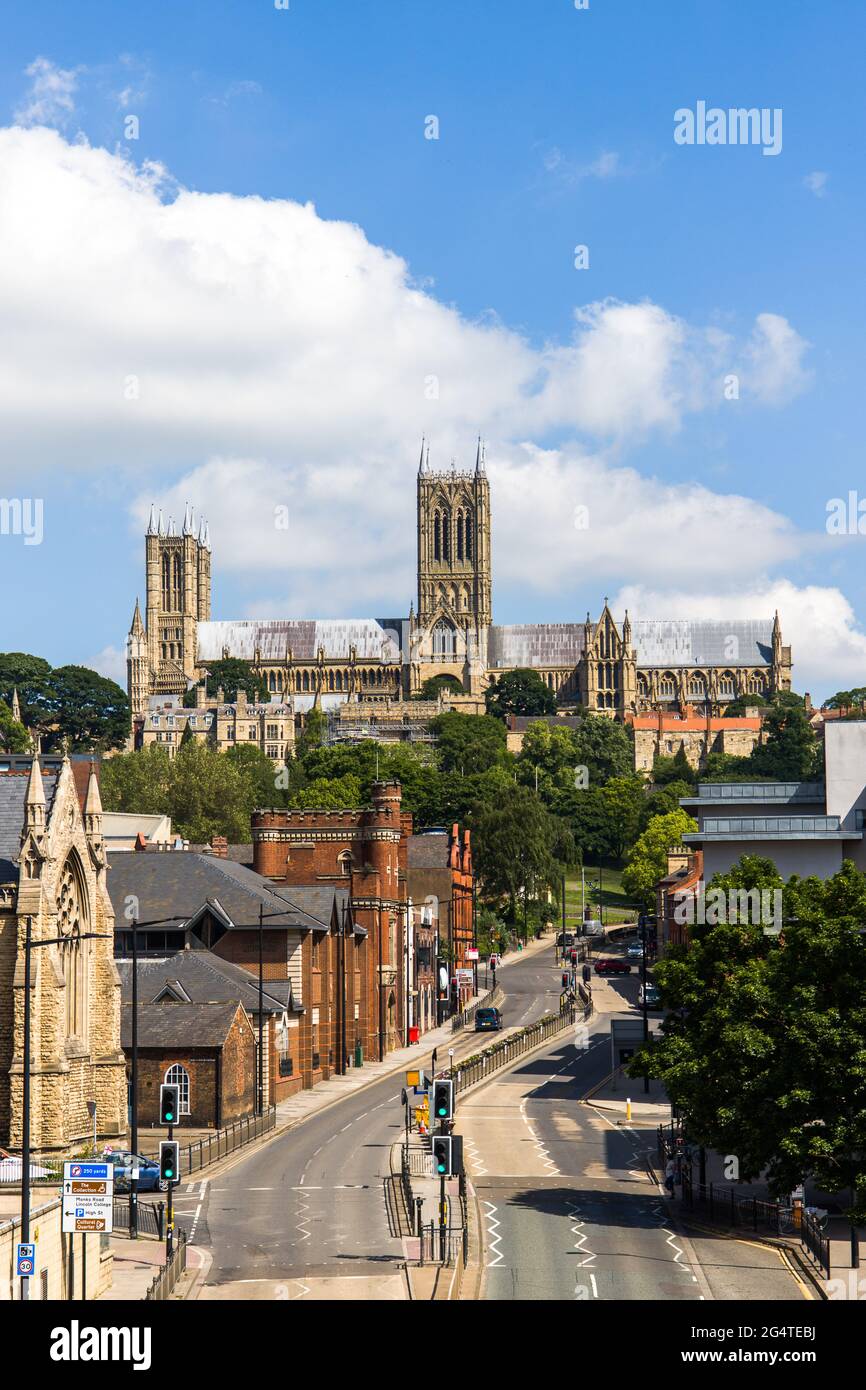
pixel 468 534
pixel 459 535
pixel 297 680
pixel 72 920
pixel 437 536
pixel 446 536
pixel 667 686
pixel 756 683
pixel 727 685
pixel 330 680
pixel 179 1076
pixel 272 681
pixel 344 862
pixel 444 642
pixel 339 680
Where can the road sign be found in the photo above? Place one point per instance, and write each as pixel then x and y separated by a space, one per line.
pixel 626 1035
pixel 471 953
pixel 25 1260
pixel 88 1197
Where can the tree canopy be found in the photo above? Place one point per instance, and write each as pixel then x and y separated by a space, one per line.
pixel 521 691
pixel 648 860
pixel 762 1047
pixel 65 704
pixel 230 675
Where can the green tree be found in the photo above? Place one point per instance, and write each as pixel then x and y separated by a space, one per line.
pixel 521 691
pixel 137 781
pixel 432 687
pixel 848 699
pixel 314 732
pixel 648 860
pixel 26 674
pixel 468 743
pixel 208 795
pixel 762 1046
pixel 329 794
pixel 790 752
pixel 675 769
pixel 661 801
pixel 13 736
pixel 744 702
pixel 551 752
pixel 88 711
pixel 518 846
pixel 604 747
pixel 230 675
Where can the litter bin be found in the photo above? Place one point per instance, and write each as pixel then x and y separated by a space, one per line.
pixel 414 1034
pixel 359 1055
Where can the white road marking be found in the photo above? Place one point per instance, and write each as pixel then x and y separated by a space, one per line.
pixel 194 1223
pixel 494 1239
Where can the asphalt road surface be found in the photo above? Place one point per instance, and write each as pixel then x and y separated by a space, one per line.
pixel 305 1216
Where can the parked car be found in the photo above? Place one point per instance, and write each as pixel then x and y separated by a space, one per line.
pixel 612 965
pixel 565 938
pixel 635 951
pixel 487 1020
pixel 653 997
pixel 148 1171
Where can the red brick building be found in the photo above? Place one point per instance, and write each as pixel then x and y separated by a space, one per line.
pixel 359 998
pixel 442 881
pixel 207 1050
pixel 683 878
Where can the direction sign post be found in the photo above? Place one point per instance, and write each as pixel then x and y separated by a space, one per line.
pixel 88 1197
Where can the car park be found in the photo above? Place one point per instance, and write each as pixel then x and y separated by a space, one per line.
pixel 612 965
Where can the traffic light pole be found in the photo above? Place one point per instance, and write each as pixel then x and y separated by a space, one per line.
pixel 169 1223
pixel 646 1084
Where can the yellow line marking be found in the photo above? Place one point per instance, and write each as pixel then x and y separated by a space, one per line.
pixel 759 1245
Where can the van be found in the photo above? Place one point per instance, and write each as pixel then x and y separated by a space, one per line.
pixel 593 927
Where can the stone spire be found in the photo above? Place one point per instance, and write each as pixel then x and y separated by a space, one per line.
pixel 16 706
pixel 137 628
pixel 206 535
pixel 479 457
pixel 93 807
pixel 422 466
pixel 188 520
pixel 172 526
pixel 160 530
pixel 34 800
pixel 152 525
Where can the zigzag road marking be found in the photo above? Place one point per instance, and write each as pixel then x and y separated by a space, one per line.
pixel 493 1239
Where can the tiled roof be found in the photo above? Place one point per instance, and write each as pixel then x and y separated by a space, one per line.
pixel 371 637
pixel 693 723
pixel 13 790
pixel 206 979
pixel 428 851
pixel 703 642
pixel 535 644
pixel 178 1025
pixel 176 885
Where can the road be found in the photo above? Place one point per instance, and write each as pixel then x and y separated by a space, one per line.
pixel 305 1216
pixel 568 1207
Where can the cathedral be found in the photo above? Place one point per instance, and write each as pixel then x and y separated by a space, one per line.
pixel 615 668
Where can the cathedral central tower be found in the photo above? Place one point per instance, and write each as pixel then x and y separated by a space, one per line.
pixel 454 545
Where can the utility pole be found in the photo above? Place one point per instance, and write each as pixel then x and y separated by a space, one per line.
pixel 646 1085
pixel 261 1088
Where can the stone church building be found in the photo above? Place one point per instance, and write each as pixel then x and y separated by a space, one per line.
pixel 53 871
pixel 617 668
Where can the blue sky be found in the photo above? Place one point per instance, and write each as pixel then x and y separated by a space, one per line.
pixel 555 128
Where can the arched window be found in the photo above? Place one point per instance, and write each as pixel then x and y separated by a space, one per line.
pixel 339 680
pixel 444 641
pixel 437 536
pixel 72 920
pixel 727 685
pixel 468 536
pixel 178 1075
pixel 306 680
pixel 459 535
pixel 344 862
pixel 272 681
pixel 446 535
pixel 756 683
pixel 667 686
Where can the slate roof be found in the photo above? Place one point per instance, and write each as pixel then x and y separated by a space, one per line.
pixel 373 639
pixel 535 644
pixel 428 851
pixel 703 642
pixel 175 885
pixel 178 1025
pixel 206 979
pixel 13 789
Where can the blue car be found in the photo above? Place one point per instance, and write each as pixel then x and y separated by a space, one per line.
pixel 148 1171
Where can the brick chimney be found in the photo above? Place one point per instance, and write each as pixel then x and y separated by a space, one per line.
pixel 219 847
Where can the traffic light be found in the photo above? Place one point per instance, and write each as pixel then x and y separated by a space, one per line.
pixel 169 1160
pixel 565 979
pixel 574 957
pixel 443 1100
pixel 442 1155
pixel 169 1104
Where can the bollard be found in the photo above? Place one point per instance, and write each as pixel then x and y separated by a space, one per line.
pixel 628 1111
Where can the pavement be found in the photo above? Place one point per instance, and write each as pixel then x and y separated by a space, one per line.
pixel 311 1212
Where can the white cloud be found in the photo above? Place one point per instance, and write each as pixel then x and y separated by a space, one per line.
pixel 249 354
pixel 816 183
pixel 50 100
pixel 819 624
pixel 110 662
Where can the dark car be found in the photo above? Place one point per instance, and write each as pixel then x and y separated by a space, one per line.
pixel 612 965
pixel 565 938
pixel 487 1020
pixel 148 1171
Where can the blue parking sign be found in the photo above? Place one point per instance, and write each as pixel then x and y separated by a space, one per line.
pixel 25 1260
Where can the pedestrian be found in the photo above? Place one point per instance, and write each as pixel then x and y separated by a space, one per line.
pixel 433 1062
pixel 670 1176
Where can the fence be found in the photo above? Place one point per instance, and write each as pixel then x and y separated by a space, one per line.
pixel 202 1152
pixel 731 1206
pixel 443 1244
pixel 163 1285
pixel 502 1054
pixel 151 1217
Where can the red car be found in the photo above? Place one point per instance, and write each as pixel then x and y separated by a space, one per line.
pixel 611 965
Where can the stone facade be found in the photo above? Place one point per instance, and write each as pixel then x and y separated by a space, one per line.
pixel 268 727
pixel 610 667
pixel 662 735
pixel 57 879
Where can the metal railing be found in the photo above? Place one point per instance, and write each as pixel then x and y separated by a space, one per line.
pixel 730 1206
pixel 164 1283
pixel 442 1244
pixel 504 1053
pixel 467 1016
pixel 202 1152
pixel 151 1217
